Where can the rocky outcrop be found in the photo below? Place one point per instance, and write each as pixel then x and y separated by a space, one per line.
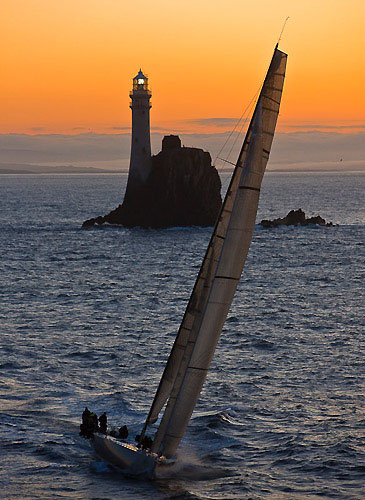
pixel 295 218
pixel 183 189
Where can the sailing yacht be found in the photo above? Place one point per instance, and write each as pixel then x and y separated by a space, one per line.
pixel 212 295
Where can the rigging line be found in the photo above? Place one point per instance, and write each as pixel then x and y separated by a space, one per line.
pixel 245 114
pixel 237 123
pixel 253 101
pixel 251 106
pixel 230 162
pixel 172 255
pixel 283 29
pixel 131 356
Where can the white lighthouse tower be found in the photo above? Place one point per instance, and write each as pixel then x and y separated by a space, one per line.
pixel 140 161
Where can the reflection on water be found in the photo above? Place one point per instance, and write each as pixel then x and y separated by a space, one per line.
pixel 88 318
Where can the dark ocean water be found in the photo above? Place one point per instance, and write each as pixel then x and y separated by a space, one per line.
pixel 88 318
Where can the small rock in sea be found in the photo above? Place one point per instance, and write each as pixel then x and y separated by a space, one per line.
pixel 295 218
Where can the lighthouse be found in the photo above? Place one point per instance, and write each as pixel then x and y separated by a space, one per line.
pixel 176 187
pixel 140 161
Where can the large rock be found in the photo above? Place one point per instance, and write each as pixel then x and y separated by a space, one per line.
pixel 183 189
pixel 295 218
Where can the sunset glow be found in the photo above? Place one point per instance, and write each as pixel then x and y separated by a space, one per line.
pixel 67 67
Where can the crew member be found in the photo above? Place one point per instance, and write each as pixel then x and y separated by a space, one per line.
pixel 85 425
pixel 123 432
pixel 103 423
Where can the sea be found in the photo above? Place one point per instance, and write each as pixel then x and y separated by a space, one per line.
pixel 88 317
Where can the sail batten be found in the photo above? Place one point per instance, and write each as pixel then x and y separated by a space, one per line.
pixel 220 272
pixel 249 187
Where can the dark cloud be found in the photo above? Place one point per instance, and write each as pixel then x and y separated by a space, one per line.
pixel 325 127
pixel 161 129
pixel 216 122
pixel 317 146
pixel 288 148
pixel 60 148
pixel 129 128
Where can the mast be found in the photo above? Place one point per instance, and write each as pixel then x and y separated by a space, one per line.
pixel 220 272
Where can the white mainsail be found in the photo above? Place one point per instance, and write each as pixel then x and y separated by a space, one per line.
pixel 222 266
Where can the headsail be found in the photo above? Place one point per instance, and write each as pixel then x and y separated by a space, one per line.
pixel 222 266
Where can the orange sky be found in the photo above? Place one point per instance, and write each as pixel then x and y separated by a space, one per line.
pixel 67 65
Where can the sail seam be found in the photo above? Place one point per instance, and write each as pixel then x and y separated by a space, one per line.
pixel 274 88
pixel 271 99
pixel 174 435
pixel 249 187
pixel 227 278
pixel 270 109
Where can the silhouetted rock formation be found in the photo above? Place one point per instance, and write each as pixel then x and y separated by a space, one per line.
pixel 295 218
pixel 183 189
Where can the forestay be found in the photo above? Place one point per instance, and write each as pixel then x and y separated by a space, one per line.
pixel 222 266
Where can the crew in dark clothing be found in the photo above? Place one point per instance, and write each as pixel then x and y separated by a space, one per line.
pixel 146 442
pixel 85 414
pixel 89 423
pixel 138 439
pixel 103 423
pixel 123 432
pixel 85 426
pixel 94 422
